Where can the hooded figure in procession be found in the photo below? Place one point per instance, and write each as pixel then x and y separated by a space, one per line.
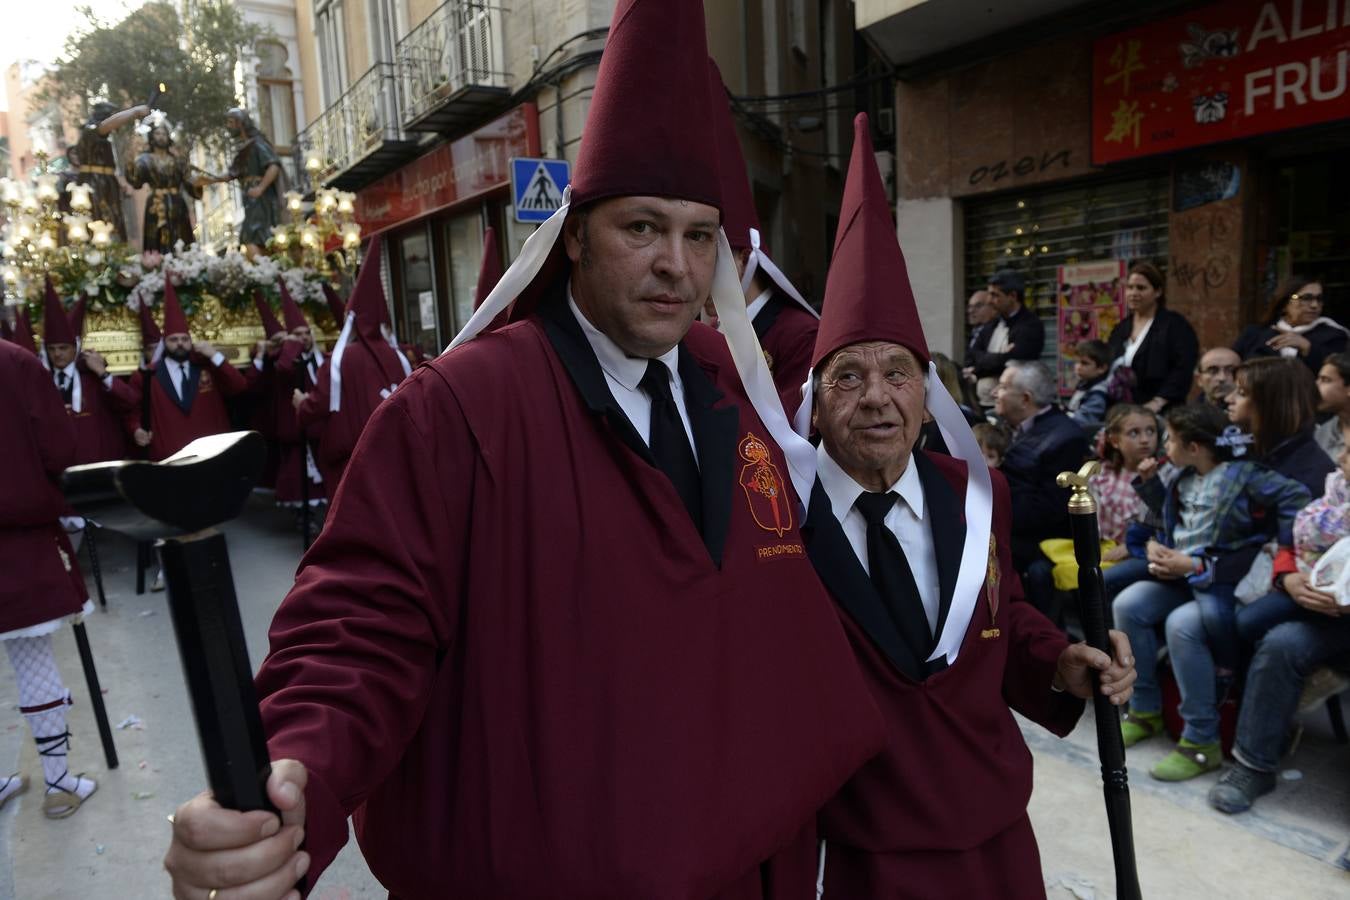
pixel 783 321
pixel 364 367
pixel 96 401
pixel 560 637
pixel 914 548
pixel 187 387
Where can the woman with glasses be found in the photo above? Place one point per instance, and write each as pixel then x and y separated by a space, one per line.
pixel 1294 327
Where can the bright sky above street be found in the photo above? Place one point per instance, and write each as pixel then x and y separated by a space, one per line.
pixel 42 36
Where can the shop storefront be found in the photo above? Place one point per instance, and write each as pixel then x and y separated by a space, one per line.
pixel 432 214
pixel 1213 143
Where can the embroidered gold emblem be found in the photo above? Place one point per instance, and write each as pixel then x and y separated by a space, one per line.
pixel 989 634
pixel 764 487
pixel 991 581
pixel 768 358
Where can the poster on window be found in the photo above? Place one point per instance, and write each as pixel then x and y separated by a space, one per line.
pixel 1091 303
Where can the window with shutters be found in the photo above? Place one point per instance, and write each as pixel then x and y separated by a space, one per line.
pixel 276 95
pixel 1037 231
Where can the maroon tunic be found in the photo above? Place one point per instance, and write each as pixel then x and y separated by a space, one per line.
pixel 515 659
pixel 41 580
pixel 289 373
pixel 175 424
pixel 99 432
pixel 942 812
pixel 369 371
pixel 787 334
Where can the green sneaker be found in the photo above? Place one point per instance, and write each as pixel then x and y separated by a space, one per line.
pixel 1136 727
pixel 1187 761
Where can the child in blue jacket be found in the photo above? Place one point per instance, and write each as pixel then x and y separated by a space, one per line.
pixel 1213 513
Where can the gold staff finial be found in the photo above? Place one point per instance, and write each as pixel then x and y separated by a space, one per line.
pixel 1081 502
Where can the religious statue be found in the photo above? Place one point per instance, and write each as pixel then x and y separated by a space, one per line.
pixel 167 218
pixel 98 164
pixel 258 170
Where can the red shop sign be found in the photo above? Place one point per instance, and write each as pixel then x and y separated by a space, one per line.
pixel 1225 71
pixel 453 172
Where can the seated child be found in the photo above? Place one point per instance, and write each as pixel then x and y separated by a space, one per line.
pixel 1092 368
pixel 993 440
pixel 1130 439
pixel 1212 529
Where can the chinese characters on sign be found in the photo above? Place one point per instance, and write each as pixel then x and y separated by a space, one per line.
pixel 1224 71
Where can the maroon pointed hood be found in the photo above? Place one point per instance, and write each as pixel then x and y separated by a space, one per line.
pixel 55 323
pixel 337 307
pixel 175 322
pixel 868 296
pixel 270 323
pixel 23 331
pixel 642 134
pixel 738 200
pixel 367 301
pixel 290 309
pixel 77 316
pixel 490 269
pixel 150 332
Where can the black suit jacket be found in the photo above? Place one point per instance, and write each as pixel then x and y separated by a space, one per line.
pixel 1025 333
pixel 1164 365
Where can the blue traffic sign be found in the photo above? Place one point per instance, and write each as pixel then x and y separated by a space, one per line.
pixel 537 187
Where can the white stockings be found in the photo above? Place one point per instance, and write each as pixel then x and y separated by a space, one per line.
pixel 43 699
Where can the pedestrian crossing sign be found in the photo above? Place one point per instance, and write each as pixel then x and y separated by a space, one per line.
pixel 537 187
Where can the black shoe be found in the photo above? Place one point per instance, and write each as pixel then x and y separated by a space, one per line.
pixel 1239 787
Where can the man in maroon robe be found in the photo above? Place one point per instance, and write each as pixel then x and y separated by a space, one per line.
pixel 187 387
pixel 944 637
pixel 266 400
pixel 364 368
pixel 97 402
pixel 784 322
pixel 42 584
pixel 296 368
pixel 560 637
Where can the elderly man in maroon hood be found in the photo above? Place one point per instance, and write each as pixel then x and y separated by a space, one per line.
pixel 914 548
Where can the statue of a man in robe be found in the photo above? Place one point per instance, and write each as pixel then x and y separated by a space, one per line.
pixel 257 168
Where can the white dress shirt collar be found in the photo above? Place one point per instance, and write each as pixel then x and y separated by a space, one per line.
pixel 625 369
pixel 844 491
pixel 758 304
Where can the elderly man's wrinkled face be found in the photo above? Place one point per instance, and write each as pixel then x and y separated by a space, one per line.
pixel 1011 401
pixel 870 409
pixel 643 268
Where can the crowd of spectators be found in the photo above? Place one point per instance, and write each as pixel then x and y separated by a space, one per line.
pixel 1223 505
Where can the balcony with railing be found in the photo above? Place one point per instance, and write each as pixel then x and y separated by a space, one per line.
pixel 358 138
pixel 451 68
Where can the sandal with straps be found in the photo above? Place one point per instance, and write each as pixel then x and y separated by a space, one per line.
pixel 12 786
pixel 60 802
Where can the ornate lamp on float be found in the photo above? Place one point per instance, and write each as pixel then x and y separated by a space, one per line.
pixel 325 240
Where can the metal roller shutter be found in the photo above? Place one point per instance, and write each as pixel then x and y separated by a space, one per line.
pixel 1035 232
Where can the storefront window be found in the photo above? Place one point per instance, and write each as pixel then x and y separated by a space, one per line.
pixel 464 252
pixel 417 293
pixel 1036 232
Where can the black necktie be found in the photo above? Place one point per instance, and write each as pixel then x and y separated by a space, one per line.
pixel 893 578
pixel 64 386
pixel 669 441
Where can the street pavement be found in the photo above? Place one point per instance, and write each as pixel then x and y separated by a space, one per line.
pixel 113 847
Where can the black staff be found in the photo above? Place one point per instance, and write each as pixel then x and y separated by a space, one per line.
pixel 144 553
pixel 1092 610
pixel 178 502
